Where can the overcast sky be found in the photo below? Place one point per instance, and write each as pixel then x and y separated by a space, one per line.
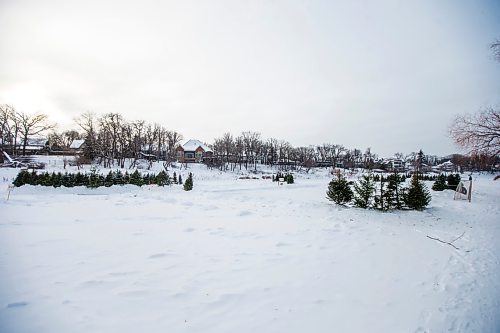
pixel 388 75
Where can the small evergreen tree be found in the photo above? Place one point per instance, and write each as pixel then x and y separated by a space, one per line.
pixel 126 178
pixel 363 191
pixel 394 192
pixel 93 179
pixel 289 178
pixel 118 178
pixel 20 178
pixel 33 178
pixel 146 179
pixel 180 179
pixel 108 181
pixel 136 178
pixel 57 179
pixel 339 190
pixel 188 184
pixel 68 180
pixel 44 179
pixel 174 178
pixel 162 178
pixel 80 179
pixel 417 196
pixel 440 183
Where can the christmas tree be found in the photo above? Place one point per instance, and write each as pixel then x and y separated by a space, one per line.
pixel 394 192
pixel 162 178
pixel 136 178
pixel 363 191
pixel 417 196
pixel 339 190
pixel 188 184
pixel 440 183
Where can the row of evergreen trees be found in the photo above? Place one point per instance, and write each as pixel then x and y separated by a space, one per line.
pixel 387 193
pixel 94 179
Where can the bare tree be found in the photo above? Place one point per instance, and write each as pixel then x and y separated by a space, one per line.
pixel 9 127
pixel 478 133
pixel 32 125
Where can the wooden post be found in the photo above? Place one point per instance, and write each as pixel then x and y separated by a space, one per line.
pixel 9 189
pixel 469 194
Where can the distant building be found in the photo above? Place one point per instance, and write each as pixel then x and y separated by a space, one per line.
pixel 33 146
pixel 77 146
pixel 194 151
pixel 394 164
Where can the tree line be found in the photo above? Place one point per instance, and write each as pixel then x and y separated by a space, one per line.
pixel 110 140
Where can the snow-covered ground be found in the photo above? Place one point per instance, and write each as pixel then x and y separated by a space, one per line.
pixel 238 255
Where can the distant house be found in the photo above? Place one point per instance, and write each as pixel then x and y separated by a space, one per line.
pixel 194 151
pixel 77 146
pixel 447 166
pixel 394 164
pixel 33 146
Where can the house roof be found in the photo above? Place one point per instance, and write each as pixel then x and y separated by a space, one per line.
pixel 76 144
pixel 192 145
pixel 37 142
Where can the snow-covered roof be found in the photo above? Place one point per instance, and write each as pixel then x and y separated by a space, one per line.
pixel 192 145
pixel 35 142
pixel 76 144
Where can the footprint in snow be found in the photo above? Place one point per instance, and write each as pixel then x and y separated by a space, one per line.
pixel 245 213
pixel 157 255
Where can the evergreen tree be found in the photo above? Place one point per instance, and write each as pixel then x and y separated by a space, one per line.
pixel 180 179
pixel 289 178
pixel 108 181
pixel 339 190
pixel 363 191
pixel 146 179
pixel 175 178
pixel 80 179
pixel 440 183
pixel 393 195
pixel 417 196
pixel 380 198
pixel 93 179
pixel 44 179
pixel 188 184
pixel 420 161
pixel 136 178
pixel 126 178
pixel 57 179
pixel 20 178
pixel 162 178
pixel 118 178
pixel 68 180
pixel 33 178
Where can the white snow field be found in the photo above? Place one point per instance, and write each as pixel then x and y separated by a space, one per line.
pixel 238 255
